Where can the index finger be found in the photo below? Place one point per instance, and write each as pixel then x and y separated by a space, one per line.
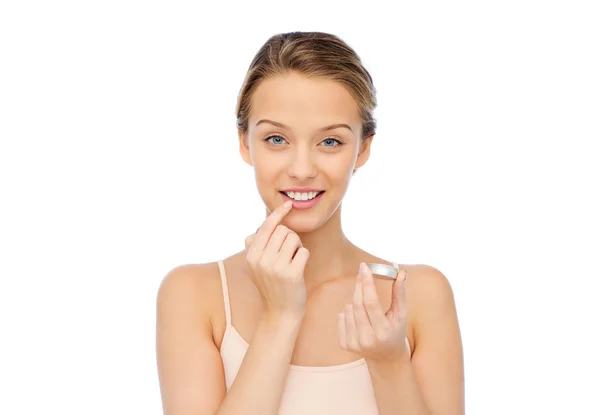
pixel 266 229
pixel 371 301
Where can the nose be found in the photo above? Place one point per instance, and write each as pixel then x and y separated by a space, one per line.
pixel 302 166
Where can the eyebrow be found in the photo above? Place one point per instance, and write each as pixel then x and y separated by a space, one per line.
pixel 327 128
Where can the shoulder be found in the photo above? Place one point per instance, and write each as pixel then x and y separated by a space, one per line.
pixel 429 293
pixel 189 278
pixel 188 361
pixel 191 289
pixel 428 283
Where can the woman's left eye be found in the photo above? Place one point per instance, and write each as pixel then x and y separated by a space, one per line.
pixel 331 142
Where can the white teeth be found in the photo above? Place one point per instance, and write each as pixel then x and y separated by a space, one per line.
pixel 302 196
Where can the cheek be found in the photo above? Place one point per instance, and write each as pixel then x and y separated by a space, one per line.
pixel 266 166
pixel 338 167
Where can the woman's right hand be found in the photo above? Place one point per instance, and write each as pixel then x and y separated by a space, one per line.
pixel 277 259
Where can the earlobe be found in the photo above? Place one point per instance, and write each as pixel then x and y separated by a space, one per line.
pixel 244 147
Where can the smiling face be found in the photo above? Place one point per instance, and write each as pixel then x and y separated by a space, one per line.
pixel 304 136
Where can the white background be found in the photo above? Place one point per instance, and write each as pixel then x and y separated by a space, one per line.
pixel 119 161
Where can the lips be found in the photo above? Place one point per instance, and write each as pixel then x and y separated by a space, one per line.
pixel 304 204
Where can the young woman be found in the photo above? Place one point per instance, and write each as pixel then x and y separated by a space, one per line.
pixel 295 323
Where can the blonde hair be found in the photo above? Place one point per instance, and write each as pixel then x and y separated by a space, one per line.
pixel 315 54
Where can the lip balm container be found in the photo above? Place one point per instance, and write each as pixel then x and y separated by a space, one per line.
pixel 383 270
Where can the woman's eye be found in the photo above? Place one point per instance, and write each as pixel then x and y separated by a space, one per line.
pixel 275 139
pixel 278 140
pixel 331 142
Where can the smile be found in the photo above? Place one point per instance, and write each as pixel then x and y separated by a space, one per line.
pixel 302 196
pixel 303 200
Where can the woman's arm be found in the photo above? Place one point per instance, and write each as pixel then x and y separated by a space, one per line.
pixel 277 260
pixel 189 363
pixel 396 388
pixel 258 387
pixel 432 381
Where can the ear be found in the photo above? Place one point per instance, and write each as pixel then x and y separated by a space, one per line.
pixel 244 147
pixel 363 152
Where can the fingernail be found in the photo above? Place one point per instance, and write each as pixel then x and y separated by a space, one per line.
pixel 288 203
pixel 363 269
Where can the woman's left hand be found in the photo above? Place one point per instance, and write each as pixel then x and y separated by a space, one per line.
pixel 365 329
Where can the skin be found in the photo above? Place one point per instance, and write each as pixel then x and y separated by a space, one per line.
pixel 190 313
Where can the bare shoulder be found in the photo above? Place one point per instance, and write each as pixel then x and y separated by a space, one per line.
pixel 428 285
pixel 429 295
pixel 189 365
pixel 191 285
pixel 438 356
pixel 191 274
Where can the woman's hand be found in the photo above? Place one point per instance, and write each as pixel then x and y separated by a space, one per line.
pixel 363 327
pixel 277 260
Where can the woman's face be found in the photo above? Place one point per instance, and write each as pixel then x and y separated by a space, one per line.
pixel 292 149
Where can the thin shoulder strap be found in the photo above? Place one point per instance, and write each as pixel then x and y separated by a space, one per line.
pixel 225 293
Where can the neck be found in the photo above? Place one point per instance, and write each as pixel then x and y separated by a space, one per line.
pixel 329 251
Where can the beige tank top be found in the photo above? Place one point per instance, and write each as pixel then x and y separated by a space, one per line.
pixel 338 389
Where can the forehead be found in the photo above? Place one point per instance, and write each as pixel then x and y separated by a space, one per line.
pixel 296 99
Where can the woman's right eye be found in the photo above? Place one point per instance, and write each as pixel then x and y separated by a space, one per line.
pixel 276 139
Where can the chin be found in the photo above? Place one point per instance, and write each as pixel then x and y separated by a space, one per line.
pixel 301 225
